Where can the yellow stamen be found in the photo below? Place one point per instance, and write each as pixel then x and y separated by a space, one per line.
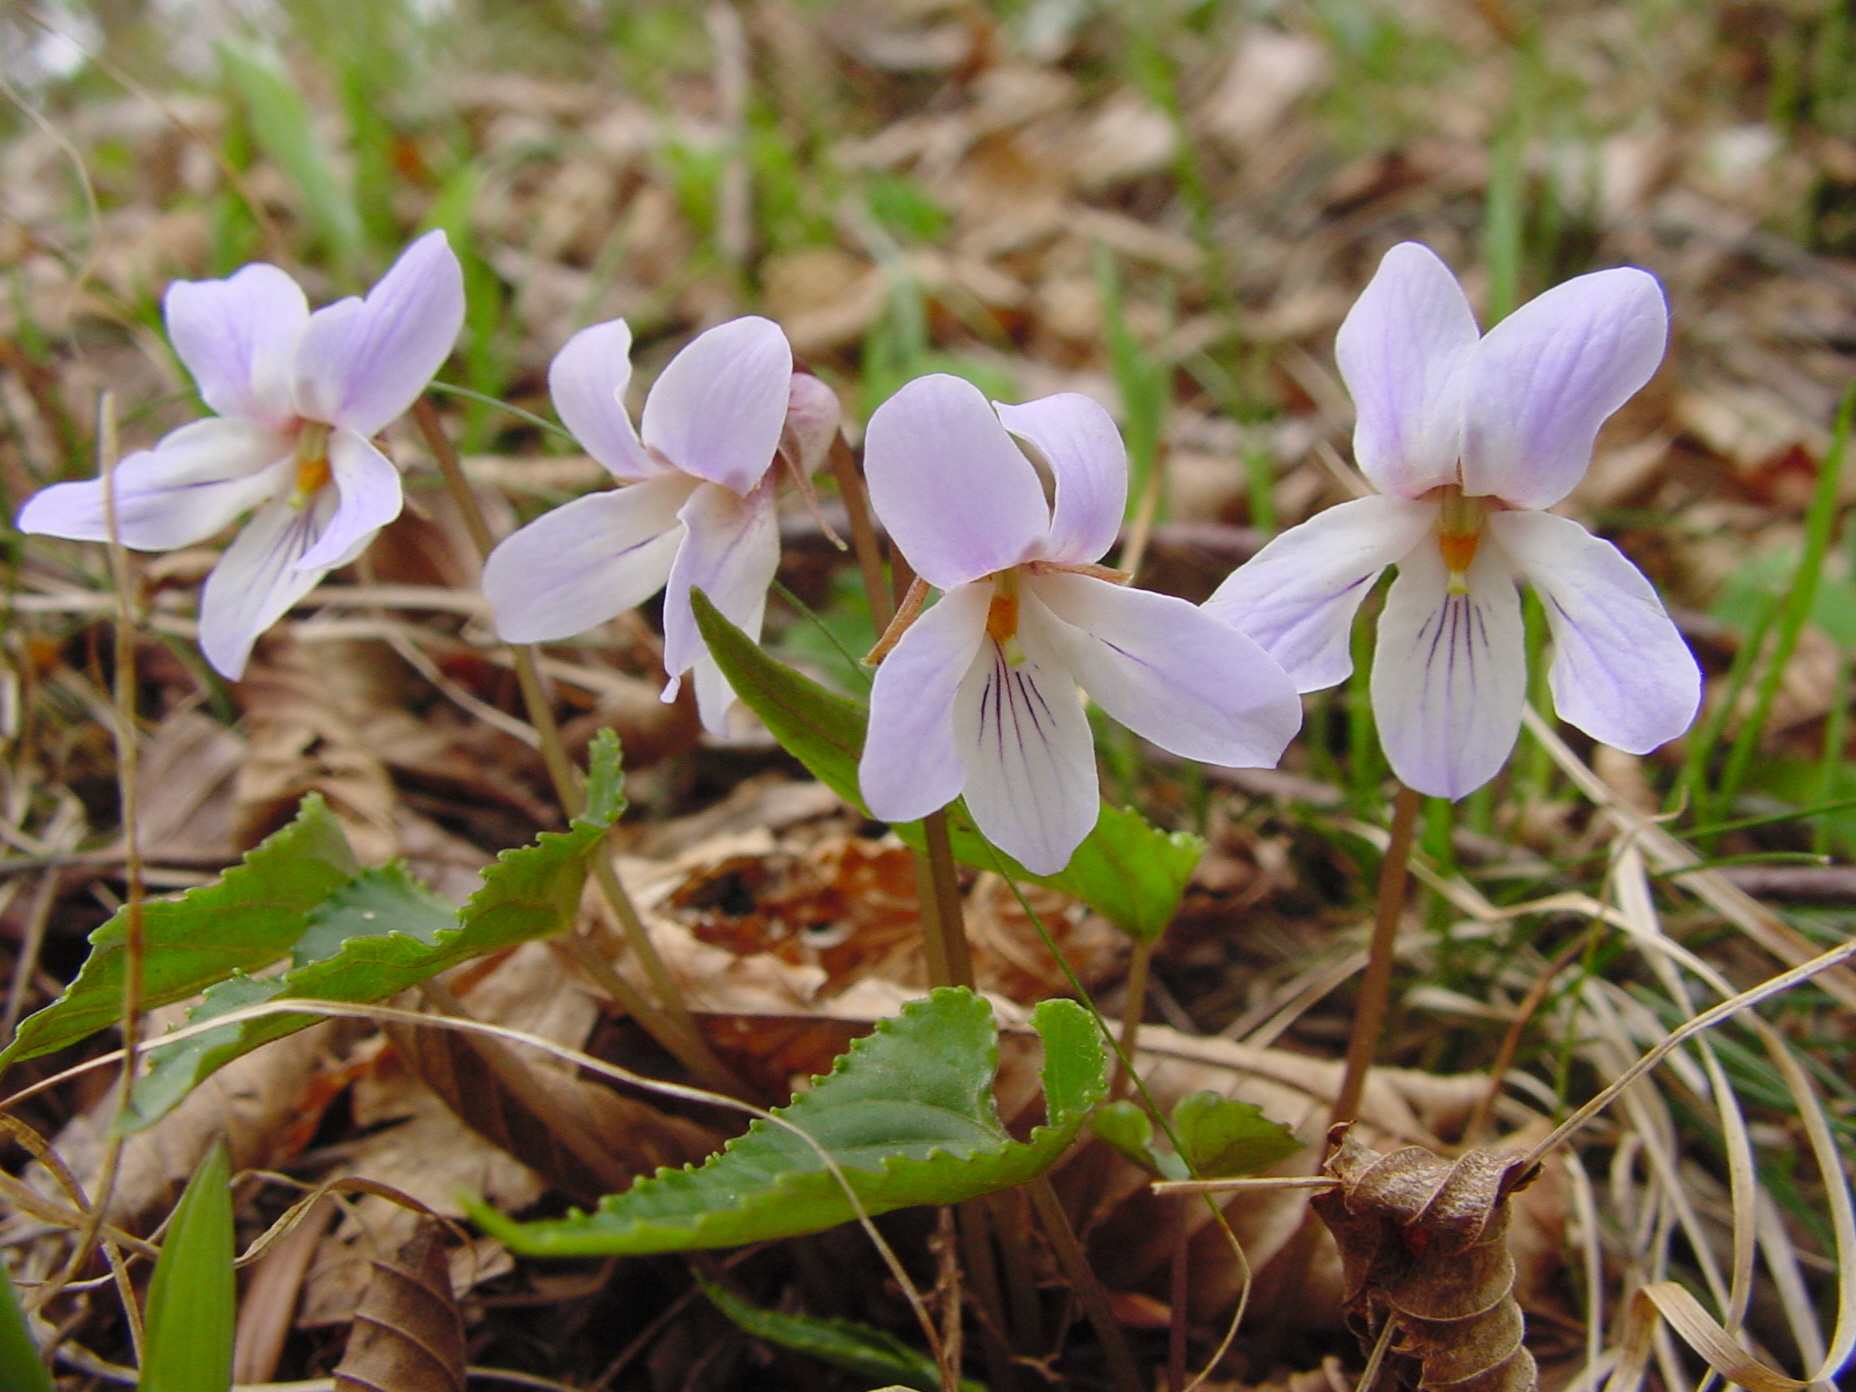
pixel 312 463
pixel 1459 533
pixel 1002 616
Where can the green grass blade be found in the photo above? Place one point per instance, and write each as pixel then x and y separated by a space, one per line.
pixel 1820 523
pixel 284 129
pixel 21 1368
pixel 192 1300
pixel 907 1116
pixel 841 1343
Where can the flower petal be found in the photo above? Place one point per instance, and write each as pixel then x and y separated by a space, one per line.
pixel 361 363
pixel 1539 386
pixel 1400 349
pixel 730 550
pixel 812 418
pixel 587 380
pixel 1167 670
pixel 368 489
pixel 1620 671
pixel 1298 595
pixel 716 411
pixel 910 766
pixel 238 338
pixel 180 492
pixel 1079 441
pixel 959 498
pixel 1449 673
pixel 1029 760
pixel 258 579
pixel 586 561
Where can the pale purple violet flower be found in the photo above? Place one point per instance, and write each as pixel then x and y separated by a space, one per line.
pixel 979 694
pixel 697 505
pixel 298 395
pixel 1469 439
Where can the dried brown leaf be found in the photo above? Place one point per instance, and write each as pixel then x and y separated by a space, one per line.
pixel 408 1334
pixel 1424 1244
pixel 582 1137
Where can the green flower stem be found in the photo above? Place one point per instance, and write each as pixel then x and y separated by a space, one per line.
pixel 1376 985
pixel 1140 959
pixel 668 1020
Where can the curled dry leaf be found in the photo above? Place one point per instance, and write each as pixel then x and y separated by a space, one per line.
pixel 1424 1244
pixel 408 1335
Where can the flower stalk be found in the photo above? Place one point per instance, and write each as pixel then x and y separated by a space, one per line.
pixel 1376 984
pixel 668 1019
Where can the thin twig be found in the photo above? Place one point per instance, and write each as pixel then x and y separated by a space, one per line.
pixel 1376 984
pixel 1140 959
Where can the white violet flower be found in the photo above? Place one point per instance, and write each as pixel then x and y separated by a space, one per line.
pixel 978 695
pixel 297 395
pixel 696 508
pixel 1470 439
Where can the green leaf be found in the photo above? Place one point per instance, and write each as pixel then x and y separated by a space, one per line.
pixel 1125 1126
pixel 1219 1137
pixel 192 1298
pixel 250 918
pixel 381 933
pixel 284 129
pixel 907 1115
pixel 21 1368
pixel 1129 871
pixel 842 1343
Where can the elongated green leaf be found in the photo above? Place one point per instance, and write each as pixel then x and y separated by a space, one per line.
pixel 381 933
pixel 842 1343
pixel 907 1116
pixel 21 1368
pixel 284 129
pixel 249 919
pixel 192 1298
pixel 344 934
pixel 1130 872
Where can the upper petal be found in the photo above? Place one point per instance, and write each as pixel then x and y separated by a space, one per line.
pixel 1449 673
pixel 1400 349
pixel 1079 441
pixel 958 497
pixel 1298 595
pixel 1620 670
pixel 1167 670
pixel 730 550
pixel 586 560
pixel 1539 386
pixel 717 410
pixel 180 492
pixel 361 363
pixel 1029 760
pixel 910 766
pixel 367 488
pixel 258 579
pixel 238 338
pixel 587 380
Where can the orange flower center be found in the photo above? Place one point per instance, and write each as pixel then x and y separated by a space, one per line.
pixel 1459 533
pixel 312 462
